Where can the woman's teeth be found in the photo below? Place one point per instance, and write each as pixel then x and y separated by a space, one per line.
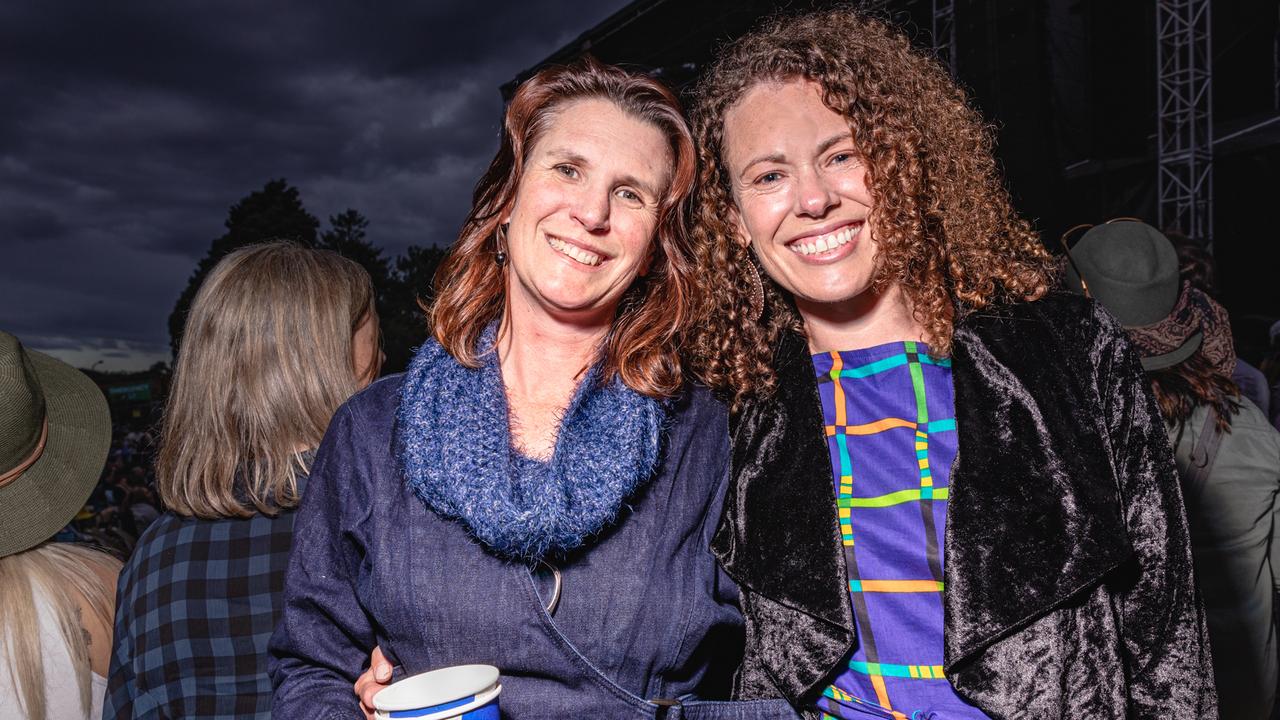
pixel 586 257
pixel 823 243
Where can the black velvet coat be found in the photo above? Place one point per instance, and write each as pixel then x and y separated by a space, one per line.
pixel 1069 589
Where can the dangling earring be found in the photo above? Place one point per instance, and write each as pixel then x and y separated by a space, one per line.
pixel 757 289
pixel 500 236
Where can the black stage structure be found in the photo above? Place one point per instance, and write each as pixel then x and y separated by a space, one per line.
pixel 1072 88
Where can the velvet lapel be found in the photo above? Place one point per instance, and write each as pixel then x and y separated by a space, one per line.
pixel 779 535
pixel 1033 516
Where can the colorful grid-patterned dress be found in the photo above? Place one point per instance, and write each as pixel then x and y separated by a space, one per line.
pixel 890 424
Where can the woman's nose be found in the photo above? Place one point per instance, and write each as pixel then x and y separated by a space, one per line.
pixel 814 197
pixel 591 209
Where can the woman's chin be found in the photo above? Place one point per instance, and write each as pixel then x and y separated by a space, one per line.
pixel 827 291
pixel 566 298
pixel 578 308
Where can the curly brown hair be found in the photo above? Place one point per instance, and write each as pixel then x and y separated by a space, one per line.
pixel 946 229
pixel 642 346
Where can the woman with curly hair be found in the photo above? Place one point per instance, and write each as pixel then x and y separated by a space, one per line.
pixel 952 495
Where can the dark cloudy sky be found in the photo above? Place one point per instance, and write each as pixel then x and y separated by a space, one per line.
pixel 128 129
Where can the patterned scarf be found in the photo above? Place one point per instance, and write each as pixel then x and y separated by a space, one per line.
pixel 1194 312
pixel 453 444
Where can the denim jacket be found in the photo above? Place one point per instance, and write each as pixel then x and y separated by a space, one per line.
pixel 645 612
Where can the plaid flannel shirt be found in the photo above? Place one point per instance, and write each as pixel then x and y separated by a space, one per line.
pixel 195 606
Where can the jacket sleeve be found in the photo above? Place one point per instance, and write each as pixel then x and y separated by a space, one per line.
pixel 324 637
pixel 1275 528
pixel 1275 543
pixel 1162 621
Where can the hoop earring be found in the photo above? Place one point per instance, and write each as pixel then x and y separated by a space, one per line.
pixel 500 239
pixel 756 301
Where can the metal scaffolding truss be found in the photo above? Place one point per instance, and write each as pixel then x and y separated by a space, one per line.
pixel 944 32
pixel 1185 124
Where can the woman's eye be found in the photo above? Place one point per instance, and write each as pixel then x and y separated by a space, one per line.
pixel 768 178
pixel 568 171
pixel 842 158
pixel 629 195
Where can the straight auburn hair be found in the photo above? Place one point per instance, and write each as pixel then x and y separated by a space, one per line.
pixel 265 362
pixel 643 345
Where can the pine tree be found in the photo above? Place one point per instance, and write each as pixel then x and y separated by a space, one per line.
pixel 276 213
pixel 404 326
pixel 273 213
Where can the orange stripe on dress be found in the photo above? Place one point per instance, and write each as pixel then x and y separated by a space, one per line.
pixel 901 586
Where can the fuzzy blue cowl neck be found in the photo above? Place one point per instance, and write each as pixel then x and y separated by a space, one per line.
pixel 453 444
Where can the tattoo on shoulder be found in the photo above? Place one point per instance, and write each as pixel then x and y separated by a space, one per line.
pixel 88 638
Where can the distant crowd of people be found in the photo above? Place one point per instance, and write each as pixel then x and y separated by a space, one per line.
pixel 124 502
pixel 777 411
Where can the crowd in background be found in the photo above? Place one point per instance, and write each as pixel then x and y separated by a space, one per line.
pixel 124 502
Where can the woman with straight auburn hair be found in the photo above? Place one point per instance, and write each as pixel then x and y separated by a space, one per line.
pixel 538 491
pixel 278 337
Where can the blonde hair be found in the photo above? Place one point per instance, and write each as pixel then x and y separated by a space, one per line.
pixel 70 576
pixel 265 361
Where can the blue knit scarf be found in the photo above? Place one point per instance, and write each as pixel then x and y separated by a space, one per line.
pixel 453 445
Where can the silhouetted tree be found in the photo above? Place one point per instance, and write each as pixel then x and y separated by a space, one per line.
pixel 347 236
pixel 404 326
pixel 273 213
pixel 276 212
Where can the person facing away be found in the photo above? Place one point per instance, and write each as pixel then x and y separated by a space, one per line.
pixel 953 496
pixel 538 491
pixel 278 337
pixel 1227 452
pixel 55 598
pixel 1196 267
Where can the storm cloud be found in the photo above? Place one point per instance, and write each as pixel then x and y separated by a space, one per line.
pixel 130 128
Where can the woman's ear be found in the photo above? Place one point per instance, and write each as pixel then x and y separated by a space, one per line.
pixel 741 236
pixel 648 261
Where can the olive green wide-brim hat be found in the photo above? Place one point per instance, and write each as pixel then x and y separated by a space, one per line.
pixel 55 431
pixel 1132 269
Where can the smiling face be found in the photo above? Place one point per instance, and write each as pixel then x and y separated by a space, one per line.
pixel 585 212
pixel 801 193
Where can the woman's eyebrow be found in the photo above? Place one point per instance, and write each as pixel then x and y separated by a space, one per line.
pixel 567 155
pixel 832 141
pixel 776 157
pixel 644 187
pixel 780 158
